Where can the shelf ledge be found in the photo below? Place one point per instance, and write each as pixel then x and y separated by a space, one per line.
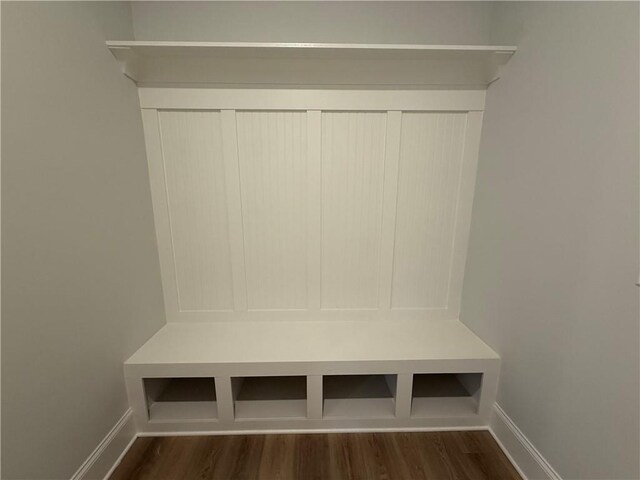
pixel 151 63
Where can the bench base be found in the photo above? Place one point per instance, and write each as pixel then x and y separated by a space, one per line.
pixel 311 376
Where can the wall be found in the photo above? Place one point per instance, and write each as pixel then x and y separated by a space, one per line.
pixel 336 22
pixel 80 274
pixel 553 254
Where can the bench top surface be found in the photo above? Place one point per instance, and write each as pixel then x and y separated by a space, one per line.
pixel 311 341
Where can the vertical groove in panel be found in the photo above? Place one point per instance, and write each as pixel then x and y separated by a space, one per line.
pixel 428 187
pixel 353 146
pixel 195 181
pixel 272 153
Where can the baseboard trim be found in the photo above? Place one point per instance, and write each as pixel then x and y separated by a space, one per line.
pixel 108 454
pixel 279 431
pixel 524 456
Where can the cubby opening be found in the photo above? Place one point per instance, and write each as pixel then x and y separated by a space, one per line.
pixel 269 397
pixel 170 399
pixel 359 396
pixel 445 394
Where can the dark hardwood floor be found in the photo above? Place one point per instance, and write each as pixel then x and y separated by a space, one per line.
pixel 472 455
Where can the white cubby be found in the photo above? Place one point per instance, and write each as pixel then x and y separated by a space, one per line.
pixel 269 397
pixel 445 394
pixel 180 399
pixel 359 396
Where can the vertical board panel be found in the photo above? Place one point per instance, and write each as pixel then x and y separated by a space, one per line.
pixel 195 178
pixel 465 206
pixel 234 208
pixel 272 152
pixel 431 148
pixel 314 209
pixel 353 146
pixel 391 159
pixel 153 145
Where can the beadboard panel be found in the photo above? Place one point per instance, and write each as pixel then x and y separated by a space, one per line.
pixel 430 167
pixel 353 146
pixel 272 153
pixel 197 204
pixel 307 214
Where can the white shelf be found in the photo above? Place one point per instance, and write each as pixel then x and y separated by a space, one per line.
pixel 270 397
pixel 359 396
pixel 444 407
pixel 274 409
pixel 278 49
pixel 180 411
pixel 150 62
pixel 359 408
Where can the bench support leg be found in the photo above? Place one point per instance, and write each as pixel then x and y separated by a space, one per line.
pixel 403 395
pixel 314 397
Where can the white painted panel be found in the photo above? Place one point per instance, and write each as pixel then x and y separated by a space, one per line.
pixel 388 229
pixel 311 99
pixel 153 144
pixel 272 153
pixel 195 179
pixel 234 208
pixel 353 147
pixel 431 149
pixel 314 209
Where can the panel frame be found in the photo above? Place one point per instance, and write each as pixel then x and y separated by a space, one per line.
pixel 392 102
pixel 311 99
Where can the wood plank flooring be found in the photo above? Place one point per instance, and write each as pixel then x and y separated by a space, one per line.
pixel 472 455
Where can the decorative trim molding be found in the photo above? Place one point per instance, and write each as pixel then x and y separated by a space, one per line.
pixel 108 454
pixel 279 431
pixel 311 99
pixel 524 456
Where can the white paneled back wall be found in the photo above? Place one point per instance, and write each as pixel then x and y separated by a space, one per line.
pixel 311 212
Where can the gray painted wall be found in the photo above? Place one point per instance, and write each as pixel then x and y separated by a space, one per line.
pixel 553 255
pixel 337 22
pixel 80 273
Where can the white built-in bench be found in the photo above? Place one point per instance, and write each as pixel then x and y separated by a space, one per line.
pixel 312 375
pixel 312 225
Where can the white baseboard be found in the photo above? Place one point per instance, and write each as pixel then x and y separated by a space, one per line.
pixel 529 462
pixel 108 454
pixel 526 459
pixel 288 431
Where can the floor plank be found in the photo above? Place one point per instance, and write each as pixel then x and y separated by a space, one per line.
pixel 472 455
